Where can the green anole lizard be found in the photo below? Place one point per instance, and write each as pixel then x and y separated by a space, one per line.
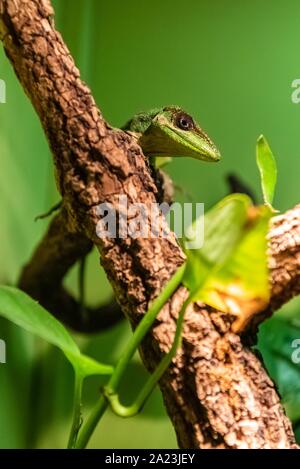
pixel 169 132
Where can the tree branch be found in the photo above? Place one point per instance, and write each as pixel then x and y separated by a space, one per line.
pixel 217 392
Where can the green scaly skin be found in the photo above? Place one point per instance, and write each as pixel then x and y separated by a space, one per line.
pixel 171 132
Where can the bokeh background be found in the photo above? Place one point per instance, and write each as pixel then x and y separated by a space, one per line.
pixel 231 64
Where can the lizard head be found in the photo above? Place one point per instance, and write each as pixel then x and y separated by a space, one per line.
pixel 173 132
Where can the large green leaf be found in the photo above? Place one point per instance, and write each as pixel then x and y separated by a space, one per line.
pixel 22 310
pixel 223 226
pixel 268 169
pixel 230 271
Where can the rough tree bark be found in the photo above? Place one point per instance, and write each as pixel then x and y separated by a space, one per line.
pixel 217 392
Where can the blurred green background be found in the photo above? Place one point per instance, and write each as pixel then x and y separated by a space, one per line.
pixel 231 64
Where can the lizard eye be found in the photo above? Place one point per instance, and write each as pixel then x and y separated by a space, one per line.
pixel 184 121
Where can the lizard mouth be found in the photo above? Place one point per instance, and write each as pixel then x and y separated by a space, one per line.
pixel 163 139
pixel 197 146
pixel 184 142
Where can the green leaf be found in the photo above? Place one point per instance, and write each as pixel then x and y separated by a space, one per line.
pixel 19 308
pixel 230 271
pixel 223 226
pixel 22 310
pixel 268 170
